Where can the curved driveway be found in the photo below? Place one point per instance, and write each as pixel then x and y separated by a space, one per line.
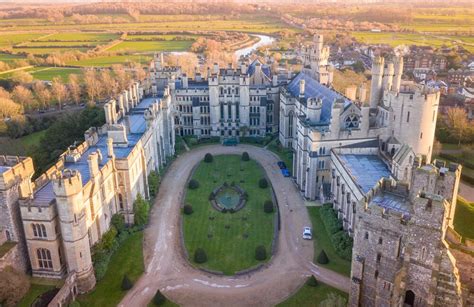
pixel 167 270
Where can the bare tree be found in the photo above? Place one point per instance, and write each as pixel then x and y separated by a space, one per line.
pixel 59 91
pixel 74 87
pixel 457 121
pixel 109 84
pixel 8 108
pixel 22 77
pixel 23 96
pixel 4 93
pixel 43 95
pixel 92 85
pixel 122 77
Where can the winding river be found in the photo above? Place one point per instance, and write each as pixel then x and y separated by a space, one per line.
pixel 265 40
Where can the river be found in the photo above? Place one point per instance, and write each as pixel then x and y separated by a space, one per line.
pixel 265 40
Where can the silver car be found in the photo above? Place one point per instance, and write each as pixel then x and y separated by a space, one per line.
pixel 307 234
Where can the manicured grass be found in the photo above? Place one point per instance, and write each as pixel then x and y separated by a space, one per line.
pixel 152 46
pixel 463 218
pixel 228 250
pixel 312 296
pixel 36 289
pixel 111 60
pixel 128 259
pixel 285 154
pixel 323 241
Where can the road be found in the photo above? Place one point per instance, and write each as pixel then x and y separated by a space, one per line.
pixel 167 269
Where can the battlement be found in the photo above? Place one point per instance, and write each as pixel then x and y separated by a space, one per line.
pixel 67 182
pixel 14 169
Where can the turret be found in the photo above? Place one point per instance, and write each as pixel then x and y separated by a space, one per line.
pixel 388 76
pixel 302 88
pixel 376 83
pixel 398 72
pixel 67 187
pixel 314 106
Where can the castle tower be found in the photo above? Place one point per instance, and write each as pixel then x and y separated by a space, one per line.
pixel 318 59
pixel 398 72
pixel 388 76
pixel 314 109
pixel 244 103
pixel 376 83
pixel 67 187
pixel 214 103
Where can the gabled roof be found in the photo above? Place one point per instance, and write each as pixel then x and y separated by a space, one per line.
pixel 265 68
pixel 315 89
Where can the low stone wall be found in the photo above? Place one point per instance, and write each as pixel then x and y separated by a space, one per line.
pixel 15 259
pixel 66 294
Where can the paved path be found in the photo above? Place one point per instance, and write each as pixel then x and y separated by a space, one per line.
pixel 167 270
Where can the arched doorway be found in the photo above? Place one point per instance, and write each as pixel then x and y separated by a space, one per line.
pixel 409 298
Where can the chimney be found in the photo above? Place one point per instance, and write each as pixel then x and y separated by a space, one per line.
pixel 184 79
pixel 216 69
pixel 302 85
pixel 93 161
pixel 110 148
pixel 275 80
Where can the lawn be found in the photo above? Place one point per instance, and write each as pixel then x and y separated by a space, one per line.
pixel 463 218
pixel 111 60
pixel 38 286
pixel 152 46
pixel 21 145
pixel 128 259
pixel 323 241
pixel 229 249
pixel 311 296
pixel 285 154
pixel 48 73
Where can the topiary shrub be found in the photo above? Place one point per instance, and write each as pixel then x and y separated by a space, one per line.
pixel 268 206
pixel 188 209
pixel 127 284
pixel 322 257
pixel 312 282
pixel 263 183
pixel 159 298
pixel 208 158
pixel 193 184
pixel 200 255
pixel 245 156
pixel 260 253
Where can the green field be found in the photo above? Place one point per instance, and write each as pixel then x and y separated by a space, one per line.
pixel 311 296
pixel 48 73
pixel 323 241
pixel 111 60
pixel 81 36
pixel 463 218
pixel 47 50
pixel 152 46
pixel 128 259
pixel 8 58
pixel 228 250
pixel 9 39
pixel 62 44
pixel 167 37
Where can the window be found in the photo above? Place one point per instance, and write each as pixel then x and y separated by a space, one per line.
pixel 39 230
pixel 376 274
pixel 408 117
pixel 380 240
pixel 44 258
pixel 366 236
pixel 379 257
pixel 351 121
pixel 421 135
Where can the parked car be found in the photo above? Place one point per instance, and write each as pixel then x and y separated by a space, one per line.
pixel 281 164
pixel 307 234
pixel 285 172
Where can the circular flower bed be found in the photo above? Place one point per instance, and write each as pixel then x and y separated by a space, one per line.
pixel 228 198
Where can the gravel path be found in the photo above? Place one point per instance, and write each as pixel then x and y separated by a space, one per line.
pixel 167 269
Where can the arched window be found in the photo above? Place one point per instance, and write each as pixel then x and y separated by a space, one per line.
pixel 409 298
pixel 351 121
pixel 39 230
pixel 44 258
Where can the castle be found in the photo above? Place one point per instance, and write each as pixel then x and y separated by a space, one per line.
pixel 370 159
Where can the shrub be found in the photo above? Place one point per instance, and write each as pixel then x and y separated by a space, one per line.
pixel 260 253
pixel 268 206
pixel 342 243
pixel 118 222
pixel 141 210
pixel 159 298
pixel 245 156
pixel 312 282
pixel 200 255
pixel 153 183
pixel 193 184
pixel 188 209
pixel 263 183
pixel 208 158
pixel 127 284
pixel 323 258
pixel 330 220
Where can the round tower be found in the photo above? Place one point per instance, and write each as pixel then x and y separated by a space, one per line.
pixel 398 72
pixel 314 106
pixel 388 76
pixel 67 187
pixel 376 83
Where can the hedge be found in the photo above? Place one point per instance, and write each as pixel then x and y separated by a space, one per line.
pixel 341 241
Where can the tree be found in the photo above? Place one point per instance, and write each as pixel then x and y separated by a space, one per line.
pixel 22 77
pixel 23 96
pixel 188 209
pixel 43 95
pixel 141 210
pixel 260 253
pixel 268 206
pixel 193 184
pixel 245 156
pixel 312 282
pixel 109 84
pixel 127 284
pixel 8 108
pixel 457 121
pixel 4 93
pixel 322 257
pixel 118 222
pixel 74 87
pixel 159 298
pixel 200 255
pixel 59 91
pixel 208 158
pixel 92 85
pixel 263 183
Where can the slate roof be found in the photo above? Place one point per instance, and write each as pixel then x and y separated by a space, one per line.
pixel 265 68
pixel 3 169
pixel 365 170
pixel 315 89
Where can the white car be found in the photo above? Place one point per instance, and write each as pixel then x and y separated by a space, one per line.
pixel 307 234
